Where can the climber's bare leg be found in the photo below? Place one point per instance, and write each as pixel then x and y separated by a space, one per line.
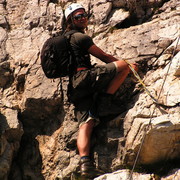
pixel 123 70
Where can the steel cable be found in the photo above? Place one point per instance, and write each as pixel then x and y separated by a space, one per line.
pixel 154 100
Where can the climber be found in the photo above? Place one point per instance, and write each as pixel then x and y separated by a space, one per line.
pixel 89 80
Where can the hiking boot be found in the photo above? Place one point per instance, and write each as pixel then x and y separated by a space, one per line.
pixel 88 169
pixel 108 107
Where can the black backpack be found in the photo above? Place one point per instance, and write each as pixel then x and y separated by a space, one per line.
pixel 57 57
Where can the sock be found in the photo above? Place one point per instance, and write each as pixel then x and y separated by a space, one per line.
pixel 85 157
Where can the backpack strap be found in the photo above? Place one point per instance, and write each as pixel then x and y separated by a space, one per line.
pixel 68 36
pixel 69 33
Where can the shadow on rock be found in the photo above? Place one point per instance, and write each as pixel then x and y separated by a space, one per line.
pixel 28 162
pixel 4 124
pixel 40 117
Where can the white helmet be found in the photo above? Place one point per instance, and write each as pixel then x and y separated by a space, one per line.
pixel 71 8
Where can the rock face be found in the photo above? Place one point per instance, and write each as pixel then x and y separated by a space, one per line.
pixel 38 130
pixel 125 174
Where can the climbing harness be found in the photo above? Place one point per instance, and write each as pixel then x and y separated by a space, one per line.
pixel 154 100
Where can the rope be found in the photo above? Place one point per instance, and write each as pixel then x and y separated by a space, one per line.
pixel 140 81
pixel 154 100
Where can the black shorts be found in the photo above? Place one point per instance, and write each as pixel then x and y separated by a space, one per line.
pixel 86 83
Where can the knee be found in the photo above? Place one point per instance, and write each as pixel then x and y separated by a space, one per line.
pixel 122 66
pixel 87 126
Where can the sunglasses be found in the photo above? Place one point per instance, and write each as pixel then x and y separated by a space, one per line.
pixel 80 16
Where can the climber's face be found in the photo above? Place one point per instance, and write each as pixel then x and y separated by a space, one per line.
pixel 80 18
